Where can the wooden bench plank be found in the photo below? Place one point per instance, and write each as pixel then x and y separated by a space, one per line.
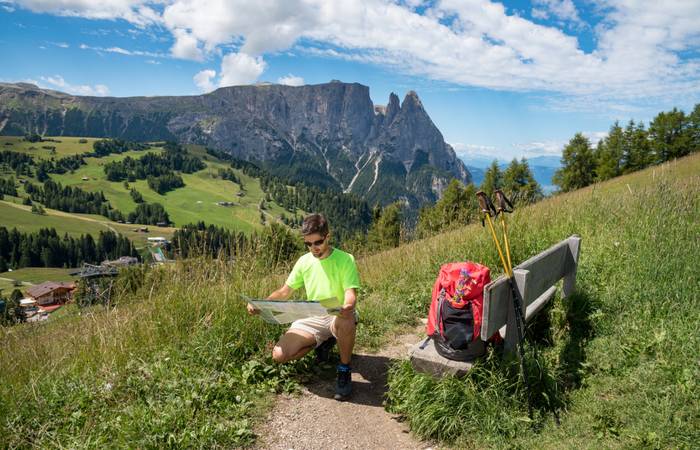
pixel 534 279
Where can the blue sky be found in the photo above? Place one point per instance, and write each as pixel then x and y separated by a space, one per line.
pixel 500 79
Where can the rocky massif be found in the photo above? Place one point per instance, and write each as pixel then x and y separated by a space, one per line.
pixel 328 134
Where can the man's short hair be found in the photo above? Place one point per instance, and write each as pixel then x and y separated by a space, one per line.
pixel 314 223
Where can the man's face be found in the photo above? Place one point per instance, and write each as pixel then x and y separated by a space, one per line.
pixel 317 244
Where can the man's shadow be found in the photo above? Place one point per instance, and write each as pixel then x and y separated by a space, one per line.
pixel 368 380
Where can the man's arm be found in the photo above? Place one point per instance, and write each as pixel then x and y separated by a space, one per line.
pixel 348 308
pixel 282 293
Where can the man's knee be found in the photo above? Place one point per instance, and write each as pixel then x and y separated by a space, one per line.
pixel 344 326
pixel 278 355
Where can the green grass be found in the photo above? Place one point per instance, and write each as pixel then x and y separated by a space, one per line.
pixel 20 216
pixel 620 364
pixel 178 363
pixel 193 203
pixel 67 146
pixel 15 215
pixel 37 275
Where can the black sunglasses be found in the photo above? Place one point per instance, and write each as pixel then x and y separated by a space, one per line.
pixel 315 243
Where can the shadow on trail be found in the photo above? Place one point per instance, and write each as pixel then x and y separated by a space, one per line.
pixel 369 380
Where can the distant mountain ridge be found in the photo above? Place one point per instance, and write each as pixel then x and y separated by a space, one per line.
pixel 328 134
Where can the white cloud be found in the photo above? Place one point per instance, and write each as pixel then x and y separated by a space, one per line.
pixel 134 11
pixel 58 82
pixel 466 150
pixel 123 51
pixel 186 46
pixel 204 80
pixel 645 50
pixel 240 68
pixel 118 50
pixel 564 10
pixel 291 80
pixel 538 148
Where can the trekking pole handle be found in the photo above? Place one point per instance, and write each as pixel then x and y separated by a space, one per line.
pixel 486 204
pixel 504 205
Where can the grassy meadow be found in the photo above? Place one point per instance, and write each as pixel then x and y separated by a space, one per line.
pixel 190 204
pixel 16 215
pixel 178 362
pixel 31 275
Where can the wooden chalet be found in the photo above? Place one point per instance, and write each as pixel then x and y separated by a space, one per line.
pixel 51 292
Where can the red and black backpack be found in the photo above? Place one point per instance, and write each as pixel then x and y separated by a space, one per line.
pixel 454 320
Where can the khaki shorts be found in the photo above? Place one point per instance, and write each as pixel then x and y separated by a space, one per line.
pixel 320 327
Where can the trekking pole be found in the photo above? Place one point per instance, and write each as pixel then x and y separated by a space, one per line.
pixel 489 210
pixel 505 206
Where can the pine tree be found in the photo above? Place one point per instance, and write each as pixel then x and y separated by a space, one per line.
pixel 694 129
pixel 670 136
pixel 608 154
pixel 519 184
pixel 578 165
pixel 636 153
pixel 386 232
pixel 493 179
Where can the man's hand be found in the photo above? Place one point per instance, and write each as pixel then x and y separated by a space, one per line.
pixel 252 310
pixel 347 311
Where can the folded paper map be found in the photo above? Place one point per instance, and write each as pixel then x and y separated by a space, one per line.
pixel 287 311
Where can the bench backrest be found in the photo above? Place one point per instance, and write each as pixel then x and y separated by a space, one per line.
pixel 536 281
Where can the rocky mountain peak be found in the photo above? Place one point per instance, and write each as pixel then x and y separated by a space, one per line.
pixel 412 102
pixel 392 108
pixel 329 134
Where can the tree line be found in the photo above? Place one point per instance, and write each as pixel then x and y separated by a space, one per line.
pixel 45 248
pixel 59 166
pixel 458 205
pixel 165 183
pixel 273 245
pixel 174 158
pixel 149 214
pixel 105 147
pixel 670 135
pixel 19 163
pixel 72 199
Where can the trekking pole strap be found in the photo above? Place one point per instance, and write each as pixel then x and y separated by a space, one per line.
pixel 504 204
pixel 485 204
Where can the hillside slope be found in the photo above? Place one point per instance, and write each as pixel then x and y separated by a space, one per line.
pixel 195 202
pixel 188 367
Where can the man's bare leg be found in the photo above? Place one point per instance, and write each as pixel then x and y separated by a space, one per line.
pixel 344 331
pixel 293 345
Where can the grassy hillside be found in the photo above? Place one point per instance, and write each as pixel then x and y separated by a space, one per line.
pixel 15 215
pixel 178 363
pixel 67 146
pixel 31 275
pixel 195 202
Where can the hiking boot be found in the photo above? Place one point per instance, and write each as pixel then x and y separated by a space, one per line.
pixel 343 384
pixel 323 351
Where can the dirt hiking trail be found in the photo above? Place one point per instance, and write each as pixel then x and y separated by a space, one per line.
pixel 313 420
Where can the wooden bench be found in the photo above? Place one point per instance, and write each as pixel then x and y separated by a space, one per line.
pixel 536 281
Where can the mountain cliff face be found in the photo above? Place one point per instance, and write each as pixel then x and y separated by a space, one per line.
pixel 328 134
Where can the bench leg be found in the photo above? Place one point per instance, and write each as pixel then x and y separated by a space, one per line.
pixel 570 278
pixel 510 345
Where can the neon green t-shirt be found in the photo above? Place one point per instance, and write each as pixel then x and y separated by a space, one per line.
pixel 325 278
